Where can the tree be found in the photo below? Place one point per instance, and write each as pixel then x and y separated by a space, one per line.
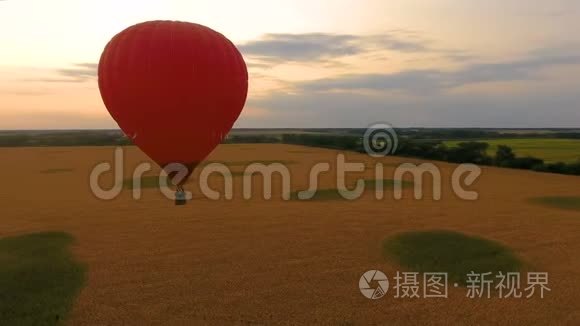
pixel 470 152
pixel 504 156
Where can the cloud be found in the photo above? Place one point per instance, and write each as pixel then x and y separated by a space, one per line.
pixel 302 47
pixel 394 42
pixel 79 73
pixel 315 47
pixel 425 97
pixel 432 80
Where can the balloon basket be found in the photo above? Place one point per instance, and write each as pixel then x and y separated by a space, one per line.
pixel 180 198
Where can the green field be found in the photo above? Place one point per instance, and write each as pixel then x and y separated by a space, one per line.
pixel 549 149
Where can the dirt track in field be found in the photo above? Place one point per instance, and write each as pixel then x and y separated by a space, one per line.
pixel 265 262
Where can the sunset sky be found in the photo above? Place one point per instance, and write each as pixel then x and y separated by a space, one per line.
pixel 317 63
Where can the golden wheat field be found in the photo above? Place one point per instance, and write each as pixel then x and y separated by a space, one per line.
pixel 262 261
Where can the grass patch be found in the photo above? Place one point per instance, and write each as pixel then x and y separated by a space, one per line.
pixel 333 194
pixel 454 253
pixel 246 163
pixel 320 194
pixel 568 203
pixel 387 184
pixel 39 279
pixel 55 171
pixel 58 152
pixel 146 182
pixel 153 181
pixel 301 152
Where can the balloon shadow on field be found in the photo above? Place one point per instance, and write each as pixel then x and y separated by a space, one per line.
pixel 451 252
pixel 39 278
pixel 56 171
pixel 560 202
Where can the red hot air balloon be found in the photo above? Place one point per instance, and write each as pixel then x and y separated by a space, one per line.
pixel 174 88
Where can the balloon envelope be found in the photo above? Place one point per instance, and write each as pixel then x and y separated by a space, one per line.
pixel 174 88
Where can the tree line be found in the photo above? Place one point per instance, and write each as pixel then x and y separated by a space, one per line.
pixel 465 152
pixel 426 144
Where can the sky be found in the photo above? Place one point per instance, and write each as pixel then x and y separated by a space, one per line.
pixel 317 63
